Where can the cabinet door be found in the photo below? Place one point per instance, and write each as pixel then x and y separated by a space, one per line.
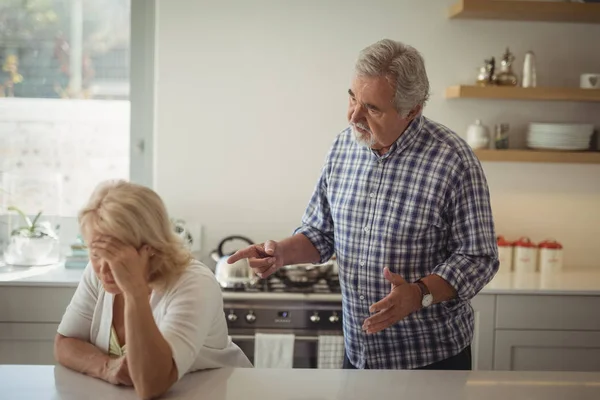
pixel 34 304
pixel 529 350
pixel 482 348
pixel 27 343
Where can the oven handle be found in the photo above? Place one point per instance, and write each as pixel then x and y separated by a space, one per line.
pixel 298 338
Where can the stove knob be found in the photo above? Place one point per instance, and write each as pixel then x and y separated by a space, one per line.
pixel 231 317
pixel 315 318
pixel 250 317
pixel 333 318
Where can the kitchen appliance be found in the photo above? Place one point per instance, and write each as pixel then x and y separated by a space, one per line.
pixel 237 275
pixel 271 306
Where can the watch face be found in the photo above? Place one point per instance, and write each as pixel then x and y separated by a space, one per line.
pixel 427 300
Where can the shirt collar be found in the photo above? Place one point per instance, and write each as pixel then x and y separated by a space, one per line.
pixel 405 139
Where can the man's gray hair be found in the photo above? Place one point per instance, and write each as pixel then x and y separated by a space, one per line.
pixel 404 68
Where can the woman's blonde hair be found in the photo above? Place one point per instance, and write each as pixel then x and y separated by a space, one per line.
pixel 137 216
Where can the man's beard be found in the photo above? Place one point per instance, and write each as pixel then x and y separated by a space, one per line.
pixel 364 139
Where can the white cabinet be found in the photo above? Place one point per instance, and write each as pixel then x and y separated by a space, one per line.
pixel 547 333
pixel 512 332
pixel 29 317
pixel 27 343
pixel 547 350
pixel 482 348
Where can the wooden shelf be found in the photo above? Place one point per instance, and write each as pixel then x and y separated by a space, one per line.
pixel 520 93
pixel 526 11
pixel 537 156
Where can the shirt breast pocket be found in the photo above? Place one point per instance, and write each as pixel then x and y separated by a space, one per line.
pixel 419 226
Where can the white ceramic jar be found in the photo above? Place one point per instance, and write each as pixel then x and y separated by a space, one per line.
pixel 478 135
pixel 505 255
pixel 525 257
pixel 551 256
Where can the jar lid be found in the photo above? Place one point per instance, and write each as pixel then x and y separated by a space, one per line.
pixel 524 242
pixel 550 244
pixel 503 242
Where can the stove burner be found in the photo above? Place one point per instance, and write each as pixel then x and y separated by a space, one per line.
pixel 275 285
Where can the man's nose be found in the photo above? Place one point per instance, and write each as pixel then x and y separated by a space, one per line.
pixel 357 113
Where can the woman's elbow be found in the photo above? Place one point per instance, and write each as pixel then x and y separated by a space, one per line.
pixel 151 391
pixel 58 348
pixel 153 388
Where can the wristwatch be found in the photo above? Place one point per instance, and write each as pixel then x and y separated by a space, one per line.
pixel 427 297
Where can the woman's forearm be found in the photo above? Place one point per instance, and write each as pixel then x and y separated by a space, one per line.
pixel 149 356
pixel 81 356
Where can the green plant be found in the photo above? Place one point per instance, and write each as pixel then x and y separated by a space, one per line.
pixel 32 228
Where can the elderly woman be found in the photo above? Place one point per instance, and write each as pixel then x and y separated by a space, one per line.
pixel 145 313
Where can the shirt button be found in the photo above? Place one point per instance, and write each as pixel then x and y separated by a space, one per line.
pixel 372 195
pixel 366 229
pixel 362 263
pixel 362 297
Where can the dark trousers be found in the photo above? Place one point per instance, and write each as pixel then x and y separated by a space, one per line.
pixel 461 361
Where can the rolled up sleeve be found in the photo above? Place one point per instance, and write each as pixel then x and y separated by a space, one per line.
pixel 317 223
pixel 472 245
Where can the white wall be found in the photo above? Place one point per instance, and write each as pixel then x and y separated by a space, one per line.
pixel 251 94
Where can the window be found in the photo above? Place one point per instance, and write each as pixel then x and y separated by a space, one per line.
pixel 64 101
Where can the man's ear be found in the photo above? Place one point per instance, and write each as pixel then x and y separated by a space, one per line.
pixel 414 112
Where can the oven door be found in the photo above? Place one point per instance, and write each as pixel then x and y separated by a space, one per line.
pixel 306 347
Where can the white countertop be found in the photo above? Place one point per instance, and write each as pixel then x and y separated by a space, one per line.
pixel 577 282
pixel 570 282
pixel 58 383
pixel 50 276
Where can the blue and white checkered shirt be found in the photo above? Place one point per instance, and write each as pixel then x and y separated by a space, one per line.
pixel 422 208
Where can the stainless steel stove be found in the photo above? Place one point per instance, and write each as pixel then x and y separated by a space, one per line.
pixel 273 307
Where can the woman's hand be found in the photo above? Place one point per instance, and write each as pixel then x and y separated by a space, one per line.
pixel 117 372
pixel 128 266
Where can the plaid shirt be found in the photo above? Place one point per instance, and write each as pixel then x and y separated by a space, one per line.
pixel 422 208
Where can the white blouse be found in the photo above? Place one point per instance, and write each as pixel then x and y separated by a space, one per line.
pixel 189 315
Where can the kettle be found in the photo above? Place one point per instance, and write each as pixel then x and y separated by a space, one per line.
pixel 238 275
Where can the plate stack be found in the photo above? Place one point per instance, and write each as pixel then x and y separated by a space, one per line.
pixel 566 137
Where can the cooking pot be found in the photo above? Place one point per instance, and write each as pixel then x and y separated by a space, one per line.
pixel 238 275
pixel 305 275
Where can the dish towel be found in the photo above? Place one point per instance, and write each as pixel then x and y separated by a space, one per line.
pixel 331 352
pixel 273 350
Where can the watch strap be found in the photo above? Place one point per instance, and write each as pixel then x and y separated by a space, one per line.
pixel 423 287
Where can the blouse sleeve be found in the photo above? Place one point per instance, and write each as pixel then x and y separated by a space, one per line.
pixel 190 313
pixel 77 319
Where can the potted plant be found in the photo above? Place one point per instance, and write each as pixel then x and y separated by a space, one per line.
pixel 32 242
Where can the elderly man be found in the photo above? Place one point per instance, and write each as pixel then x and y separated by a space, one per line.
pixel 404 204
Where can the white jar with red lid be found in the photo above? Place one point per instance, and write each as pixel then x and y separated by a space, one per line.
pixel 525 258
pixel 551 256
pixel 505 255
